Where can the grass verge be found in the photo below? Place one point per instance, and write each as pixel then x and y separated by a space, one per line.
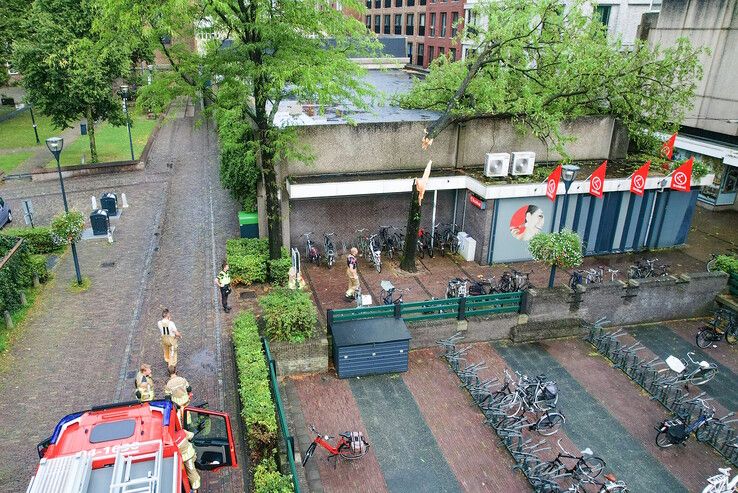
pixel 18 132
pixel 8 162
pixel 18 317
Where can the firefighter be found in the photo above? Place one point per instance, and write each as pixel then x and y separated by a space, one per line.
pixel 224 283
pixel 178 390
pixel 144 384
pixel 188 459
pixel 169 337
pixel 352 273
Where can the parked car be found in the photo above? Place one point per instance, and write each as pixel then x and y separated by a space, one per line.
pixel 6 215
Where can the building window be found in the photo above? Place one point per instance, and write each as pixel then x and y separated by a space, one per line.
pixel 421 25
pixel 377 19
pixel 410 27
pixel 410 52
pixel 387 24
pixel 433 24
pixel 398 23
pixel 453 54
pixel 444 17
pixel 422 2
pixel 368 4
pixel 431 53
pixel 410 3
pixel 398 3
pixel 602 14
pixel 377 4
pixel 454 24
pixel 421 51
pixel 369 22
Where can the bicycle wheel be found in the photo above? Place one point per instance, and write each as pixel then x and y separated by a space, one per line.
pixel 731 335
pixel 308 454
pixel 663 440
pixel 511 405
pixel 378 266
pixel 634 273
pixel 703 376
pixel 550 424
pixel 420 250
pixel 711 265
pixel 703 338
pixel 702 434
pixel 541 402
pixel 345 452
pixel 591 467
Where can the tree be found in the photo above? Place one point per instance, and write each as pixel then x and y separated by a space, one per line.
pixel 540 64
pixel 560 249
pixel 11 14
pixel 278 49
pixel 68 68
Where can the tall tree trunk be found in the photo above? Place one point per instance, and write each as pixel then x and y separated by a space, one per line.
pixel 411 233
pixel 91 134
pixel 273 207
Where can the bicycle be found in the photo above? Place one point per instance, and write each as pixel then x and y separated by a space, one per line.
pixel 587 465
pixel 546 423
pixel 362 243
pixel 329 249
pixel 451 239
pixel 589 276
pixel 375 253
pixel 645 268
pixel 522 280
pixel 311 251
pixel 538 394
pixel 387 294
pixel 350 446
pixel 387 241
pixel 456 288
pixel 675 431
pixel 712 263
pixel 722 483
pixel 696 373
pixel 506 283
pixel 723 324
pixel 609 485
pixel 482 286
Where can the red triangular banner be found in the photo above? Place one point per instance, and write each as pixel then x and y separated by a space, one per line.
pixel 597 180
pixel 681 178
pixel 552 183
pixel 638 179
pixel 667 148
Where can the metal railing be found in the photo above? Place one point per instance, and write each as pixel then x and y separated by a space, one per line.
pixel 289 441
pixel 416 311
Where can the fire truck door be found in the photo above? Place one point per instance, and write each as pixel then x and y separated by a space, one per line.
pixel 213 440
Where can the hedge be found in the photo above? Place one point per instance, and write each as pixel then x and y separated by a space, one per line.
pixel 15 275
pixel 40 239
pixel 38 267
pixel 289 315
pixel 267 479
pixel 727 263
pixel 279 270
pixel 247 259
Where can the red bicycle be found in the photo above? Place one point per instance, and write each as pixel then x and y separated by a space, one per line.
pixel 351 445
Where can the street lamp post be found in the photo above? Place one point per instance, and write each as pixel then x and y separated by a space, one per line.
pixel 124 95
pixel 55 145
pixel 33 121
pixel 568 173
pixel 150 74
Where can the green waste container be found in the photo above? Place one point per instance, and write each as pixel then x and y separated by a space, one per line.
pixel 249 222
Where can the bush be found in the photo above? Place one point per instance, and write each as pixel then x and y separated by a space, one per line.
pixel 38 267
pixel 562 249
pixel 727 263
pixel 15 274
pixel 258 410
pixel 290 315
pixel 38 239
pixel 279 270
pixel 247 259
pixel 267 479
pixel 68 227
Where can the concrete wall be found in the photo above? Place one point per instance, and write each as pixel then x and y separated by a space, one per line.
pixel 714 24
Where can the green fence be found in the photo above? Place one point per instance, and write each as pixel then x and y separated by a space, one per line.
pixel 733 283
pixel 289 441
pixel 416 311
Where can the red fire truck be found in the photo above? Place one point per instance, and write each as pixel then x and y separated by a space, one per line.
pixel 130 447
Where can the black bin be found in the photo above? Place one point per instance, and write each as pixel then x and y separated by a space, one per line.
pixel 109 202
pixel 366 347
pixel 100 222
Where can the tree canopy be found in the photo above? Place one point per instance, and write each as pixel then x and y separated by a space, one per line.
pixel 540 64
pixel 11 14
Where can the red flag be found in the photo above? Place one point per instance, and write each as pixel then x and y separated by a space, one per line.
pixel 638 179
pixel 597 180
pixel 552 183
pixel 682 176
pixel 667 148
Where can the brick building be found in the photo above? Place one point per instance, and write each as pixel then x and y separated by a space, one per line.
pixel 444 18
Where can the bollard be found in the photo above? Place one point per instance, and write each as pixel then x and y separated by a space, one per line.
pixel 123 200
pixel 8 320
pixel 36 281
pixel 94 203
pixel 110 237
pixel 24 301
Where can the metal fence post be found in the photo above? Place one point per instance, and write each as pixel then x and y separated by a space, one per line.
pixel 461 314
pixel 329 317
pixel 398 310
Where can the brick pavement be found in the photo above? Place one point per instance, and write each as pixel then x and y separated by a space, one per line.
pixel 720 351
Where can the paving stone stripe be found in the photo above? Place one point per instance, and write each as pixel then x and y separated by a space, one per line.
pixel 663 342
pixel 405 447
pixel 589 424
pixel 721 351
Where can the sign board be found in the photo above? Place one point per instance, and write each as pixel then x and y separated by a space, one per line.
pixel 477 202
pixel 28 212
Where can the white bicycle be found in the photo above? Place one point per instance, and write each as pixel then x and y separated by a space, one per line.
pixel 376 253
pixel 722 483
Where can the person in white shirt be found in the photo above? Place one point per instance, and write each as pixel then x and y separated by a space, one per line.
pixel 169 337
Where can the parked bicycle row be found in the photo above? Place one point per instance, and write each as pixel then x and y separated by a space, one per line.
pixel 515 409
pixel 509 282
pixel 666 381
pixel 724 324
pixel 642 269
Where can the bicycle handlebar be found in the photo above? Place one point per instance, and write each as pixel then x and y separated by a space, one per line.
pixel 307 234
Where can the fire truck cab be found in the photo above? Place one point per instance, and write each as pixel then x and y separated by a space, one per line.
pixel 131 447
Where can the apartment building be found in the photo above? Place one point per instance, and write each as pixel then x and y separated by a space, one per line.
pixel 445 19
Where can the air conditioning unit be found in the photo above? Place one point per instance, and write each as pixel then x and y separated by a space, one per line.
pixel 496 164
pixel 523 163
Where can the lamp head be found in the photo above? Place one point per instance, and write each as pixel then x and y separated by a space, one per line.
pixel 569 172
pixel 55 145
pixel 124 90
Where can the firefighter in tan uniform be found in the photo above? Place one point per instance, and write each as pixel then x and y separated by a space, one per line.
pixel 178 389
pixel 144 384
pixel 352 273
pixel 169 337
pixel 188 458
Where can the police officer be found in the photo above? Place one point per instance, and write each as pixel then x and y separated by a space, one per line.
pixel 178 390
pixel 352 273
pixel 188 458
pixel 224 283
pixel 144 384
pixel 169 337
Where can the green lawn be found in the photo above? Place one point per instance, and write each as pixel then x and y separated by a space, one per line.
pixel 18 131
pixel 8 162
pixel 112 143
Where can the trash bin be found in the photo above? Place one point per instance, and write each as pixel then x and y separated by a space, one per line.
pixel 109 202
pixel 249 222
pixel 83 129
pixel 100 222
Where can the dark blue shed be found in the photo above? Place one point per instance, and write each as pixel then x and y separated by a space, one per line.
pixel 366 347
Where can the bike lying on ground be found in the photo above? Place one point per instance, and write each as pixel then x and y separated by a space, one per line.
pixel 722 483
pixel 694 372
pixel 587 466
pixel 724 323
pixel 351 445
pixel 388 294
